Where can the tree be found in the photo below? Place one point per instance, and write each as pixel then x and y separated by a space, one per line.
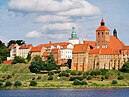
pixel 125 67
pixel 28 57
pixel 18 59
pixel 4 52
pixel 19 42
pixel 18 83
pixel 50 63
pixel 37 65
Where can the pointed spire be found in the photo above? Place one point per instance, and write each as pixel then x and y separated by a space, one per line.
pixel 102 22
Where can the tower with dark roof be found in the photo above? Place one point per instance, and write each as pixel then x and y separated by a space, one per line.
pixel 102 35
pixel 115 33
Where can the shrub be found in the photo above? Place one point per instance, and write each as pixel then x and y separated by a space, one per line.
pixel 106 76
pixel 39 77
pixel 87 72
pixel 89 77
pixel 114 81
pixel 33 83
pixel 18 83
pixel 120 77
pixel 51 73
pixel 80 73
pixel 77 82
pixel 104 71
pixel 8 83
pixel 18 59
pixel 1 84
pixel 102 78
pixel 83 82
pixel 50 78
pixel 84 76
pixel 67 75
pixel 78 77
pixel 74 72
pixel 125 67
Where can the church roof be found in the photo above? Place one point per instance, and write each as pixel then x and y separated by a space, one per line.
pixel 80 48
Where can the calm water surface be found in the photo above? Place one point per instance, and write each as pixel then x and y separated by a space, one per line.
pixel 66 93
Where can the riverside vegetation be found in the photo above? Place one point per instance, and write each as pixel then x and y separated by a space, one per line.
pixel 47 76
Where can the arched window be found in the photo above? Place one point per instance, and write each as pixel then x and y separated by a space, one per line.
pixel 98 33
pixel 102 33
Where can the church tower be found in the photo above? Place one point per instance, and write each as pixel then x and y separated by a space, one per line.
pixel 74 39
pixel 102 35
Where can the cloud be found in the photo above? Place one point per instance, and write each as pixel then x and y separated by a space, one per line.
pixel 86 10
pixel 60 7
pixel 52 19
pixel 33 34
pixel 43 5
pixel 59 26
pixel 3 39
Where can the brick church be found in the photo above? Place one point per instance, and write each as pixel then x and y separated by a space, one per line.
pixel 107 52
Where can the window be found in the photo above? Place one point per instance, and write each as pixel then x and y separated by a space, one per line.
pixel 98 33
pixel 102 33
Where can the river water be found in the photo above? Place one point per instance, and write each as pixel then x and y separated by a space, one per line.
pixel 66 93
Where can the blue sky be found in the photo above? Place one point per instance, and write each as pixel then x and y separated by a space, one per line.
pixel 41 21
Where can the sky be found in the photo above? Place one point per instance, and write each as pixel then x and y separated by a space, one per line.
pixel 41 21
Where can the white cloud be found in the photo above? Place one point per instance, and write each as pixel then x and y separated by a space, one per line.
pixel 33 34
pixel 52 19
pixel 3 39
pixel 86 10
pixel 64 7
pixel 43 5
pixel 59 26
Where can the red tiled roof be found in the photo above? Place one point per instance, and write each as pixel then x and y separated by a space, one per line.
pixel 115 43
pixel 125 48
pixel 94 51
pixel 7 62
pixel 92 43
pixel 106 51
pixel 102 28
pixel 45 54
pixel 55 50
pixel 25 46
pixel 36 49
pixel 80 48
pixel 116 52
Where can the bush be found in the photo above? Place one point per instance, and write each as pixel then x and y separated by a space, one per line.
pixel 114 81
pixel 74 72
pixel 80 73
pixel 89 77
pixel 1 84
pixel 120 77
pixel 125 67
pixel 87 72
pixel 51 73
pixel 78 77
pixel 18 59
pixel 8 83
pixel 84 82
pixel 50 78
pixel 104 71
pixel 9 76
pixel 18 83
pixel 33 83
pixel 106 76
pixel 67 75
pixel 102 78
pixel 77 82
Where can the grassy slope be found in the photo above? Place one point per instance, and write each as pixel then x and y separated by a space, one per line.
pixel 22 73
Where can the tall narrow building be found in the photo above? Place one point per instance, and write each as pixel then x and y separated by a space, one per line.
pixel 102 36
pixel 74 39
